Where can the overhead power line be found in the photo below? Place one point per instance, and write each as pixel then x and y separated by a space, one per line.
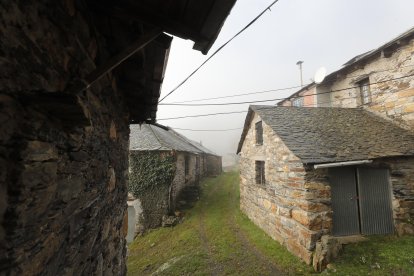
pixel 219 49
pixel 239 95
pixel 281 99
pixel 277 89
pixel 229 129
pixel 244 111
pixel 202 115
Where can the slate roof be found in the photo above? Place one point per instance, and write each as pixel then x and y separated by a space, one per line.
pixel 324 134
pixel 364 58
pixel 158 137
pixel 195 144
pixel 392 45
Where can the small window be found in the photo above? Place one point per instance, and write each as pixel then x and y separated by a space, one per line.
pixel 297 102
pixel 187 165
pixel 365 91
pixel 260 172
pixel 259 133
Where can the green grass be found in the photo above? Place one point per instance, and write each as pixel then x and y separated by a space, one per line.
pixel 380 255
pixel 217 239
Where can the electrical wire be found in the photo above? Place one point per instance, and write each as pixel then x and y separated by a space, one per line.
pixel 219 49
pixel 243 111
pixel 202 115
pixel 281 99
pixel 229 129
pixel 284 88
pixel 243 94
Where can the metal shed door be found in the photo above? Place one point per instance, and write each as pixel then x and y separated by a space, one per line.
pixel 375 201
pixel 344 201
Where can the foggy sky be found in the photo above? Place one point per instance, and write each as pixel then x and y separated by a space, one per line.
pixel 319 32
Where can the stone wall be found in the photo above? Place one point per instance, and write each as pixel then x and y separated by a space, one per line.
pixel 281 206
pixel 158 199
pixel 181 180
pixel 294 205
pixel 214 165
pixel 393 99
pixel 150 183
pixel 64 157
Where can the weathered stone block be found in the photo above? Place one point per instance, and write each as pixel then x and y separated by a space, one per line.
pixel 112 131
pixel 284 211
pixel 301 216
pixel 69 187
pixel 326 250
pixel 406 93
pixel 297 249
pixel 40 151
pixel 112 179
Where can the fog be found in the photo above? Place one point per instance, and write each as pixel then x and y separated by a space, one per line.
pixel 320 32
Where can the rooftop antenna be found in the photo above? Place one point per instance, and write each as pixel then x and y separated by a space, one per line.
pixel 300 69
pixel 320 75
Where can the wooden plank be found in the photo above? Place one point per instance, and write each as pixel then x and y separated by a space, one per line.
pixel 115 61
pixel 146 15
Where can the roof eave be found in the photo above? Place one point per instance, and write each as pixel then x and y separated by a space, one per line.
pixel 247 122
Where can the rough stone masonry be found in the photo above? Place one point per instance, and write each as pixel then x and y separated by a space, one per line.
pixel 64 159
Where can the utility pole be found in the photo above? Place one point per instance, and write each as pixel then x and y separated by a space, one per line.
pixel 300 69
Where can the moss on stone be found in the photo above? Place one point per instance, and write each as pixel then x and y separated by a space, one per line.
pixel 150 171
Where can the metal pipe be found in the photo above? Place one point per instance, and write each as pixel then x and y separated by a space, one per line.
pixel 300 69
pixel 341 164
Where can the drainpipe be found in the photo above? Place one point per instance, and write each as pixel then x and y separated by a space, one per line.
pixel 341 164
pixel 300 69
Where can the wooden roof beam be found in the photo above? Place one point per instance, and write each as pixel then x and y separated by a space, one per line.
pixel 116 60
pixel 151 17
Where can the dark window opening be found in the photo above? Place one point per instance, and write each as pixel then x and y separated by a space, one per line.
pixel 259 133
pixel 187 165
pixel 365 91
pixel 260 172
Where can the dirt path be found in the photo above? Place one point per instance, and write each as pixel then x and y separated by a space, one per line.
pixel 214 239
pixel 215 267
pixel 268 265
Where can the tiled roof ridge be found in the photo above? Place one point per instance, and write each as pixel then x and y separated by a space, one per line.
pixel 156 136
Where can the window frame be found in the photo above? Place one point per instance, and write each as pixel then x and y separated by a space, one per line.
pixel 364 87
pixel 260 170
pixel 298 101
pixel 259 133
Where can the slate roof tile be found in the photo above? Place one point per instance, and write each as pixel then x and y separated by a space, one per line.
pixel 323 134
pixel 157 137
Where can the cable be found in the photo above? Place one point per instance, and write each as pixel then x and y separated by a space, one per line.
pixel 239 95
pixel 278 89
pixel 207 129
pixel 242 111
pixel 281 99
pixel 202 115
pixel 218 50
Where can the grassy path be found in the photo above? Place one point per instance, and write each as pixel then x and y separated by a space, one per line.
pixel 214 239
pixel 217 239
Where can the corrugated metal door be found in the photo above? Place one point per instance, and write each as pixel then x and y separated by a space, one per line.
pixel 344 201
pixel 375 201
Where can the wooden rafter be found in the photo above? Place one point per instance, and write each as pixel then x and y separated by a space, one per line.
pixel 151 17
pixel 115 61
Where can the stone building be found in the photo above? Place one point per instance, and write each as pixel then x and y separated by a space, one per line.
pixel 162 164
pixel 74 75
pixel 305 96
pixel 380 80
pixel 311 175
pixel 210 162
